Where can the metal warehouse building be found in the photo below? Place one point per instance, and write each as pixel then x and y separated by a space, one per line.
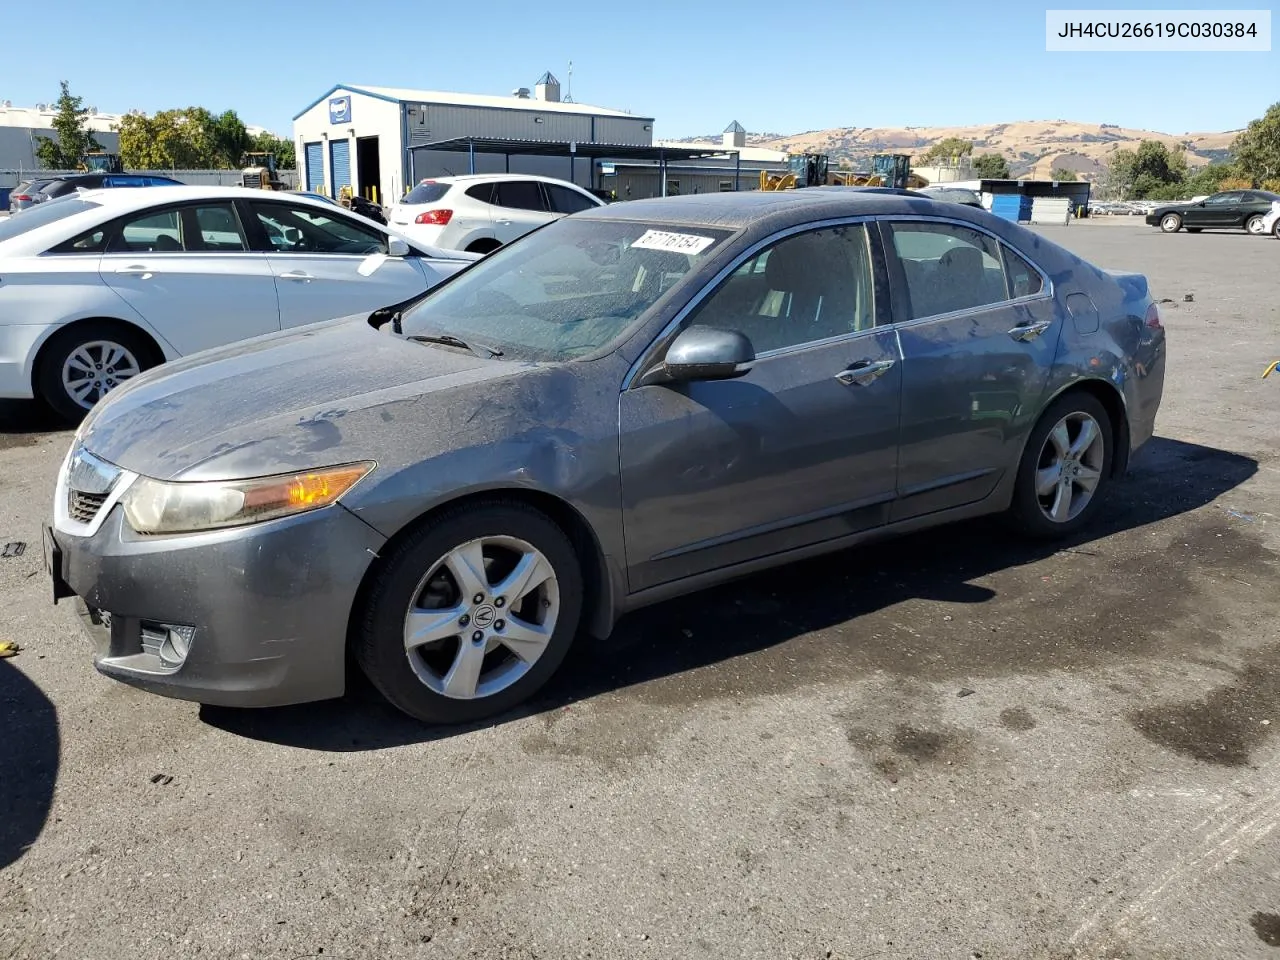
pixel 363 137
pixel 379 141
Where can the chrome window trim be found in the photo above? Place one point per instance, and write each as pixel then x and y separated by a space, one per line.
pixel 644 360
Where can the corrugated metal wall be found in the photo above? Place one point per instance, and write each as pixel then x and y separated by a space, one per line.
pixel 315 165
pixel 430 123
pixel 339 165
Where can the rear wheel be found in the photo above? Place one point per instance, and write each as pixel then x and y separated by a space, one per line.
pixel 471 614
pixel 1065 468
pixel 1171 223
pixel 1254 224
pixel 81 365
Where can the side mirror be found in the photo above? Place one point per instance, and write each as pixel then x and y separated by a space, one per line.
pixel 397 247
pixel 704 353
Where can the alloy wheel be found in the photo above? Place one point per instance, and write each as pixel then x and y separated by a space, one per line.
pixel 95 368
pixel 1254 225
pixel 481 617
pixel 1070 467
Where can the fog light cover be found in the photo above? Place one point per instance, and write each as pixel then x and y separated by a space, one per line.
pixel 171 642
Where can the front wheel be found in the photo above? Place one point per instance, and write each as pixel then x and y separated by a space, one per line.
pixel 1171 223
pixel 84 363
pixel 1254 224
pixel 1064 469
pixel 472 613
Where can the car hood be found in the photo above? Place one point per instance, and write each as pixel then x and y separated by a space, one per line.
pixel 283 402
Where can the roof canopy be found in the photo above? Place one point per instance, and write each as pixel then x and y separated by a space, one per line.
pixel 560 148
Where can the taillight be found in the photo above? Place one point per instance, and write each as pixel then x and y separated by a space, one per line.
pixel 437 218
pixel 1153 320
pixel 21 196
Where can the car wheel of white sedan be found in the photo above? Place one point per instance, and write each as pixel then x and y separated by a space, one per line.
pixel 472 613
pixel 83 364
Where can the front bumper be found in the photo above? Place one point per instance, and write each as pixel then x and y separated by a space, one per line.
pixel 264 607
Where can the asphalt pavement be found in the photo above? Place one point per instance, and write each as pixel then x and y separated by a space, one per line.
pixel 953 745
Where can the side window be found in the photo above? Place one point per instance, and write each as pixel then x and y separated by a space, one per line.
pixel 1024 281
pixel 219 228
pixel 564 200
pixel 149 233
pixel 947 268
pixel 482 192
pixel 519 195
pixel 804 288
pixel 307 230
pixel 90 241
pixel 1224 198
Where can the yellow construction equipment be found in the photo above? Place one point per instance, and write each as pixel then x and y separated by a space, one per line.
pixel 814 170
pixel 259 172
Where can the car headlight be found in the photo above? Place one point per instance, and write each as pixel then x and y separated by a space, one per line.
pixel 154 506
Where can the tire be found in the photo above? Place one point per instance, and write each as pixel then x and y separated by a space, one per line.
pixel 1031 508
pixel 417 576
pixel 1275 231
pixel 56 376
pixel 1171 223
pixel 1254 224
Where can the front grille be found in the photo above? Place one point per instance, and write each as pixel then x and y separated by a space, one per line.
pixel 83 507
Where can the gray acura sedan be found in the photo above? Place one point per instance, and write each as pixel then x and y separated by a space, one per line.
pixel 628 404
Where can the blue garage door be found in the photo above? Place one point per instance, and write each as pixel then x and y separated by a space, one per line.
pixel 315 166
pixel 340 164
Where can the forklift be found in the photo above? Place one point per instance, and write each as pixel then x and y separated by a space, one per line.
pixel 259 172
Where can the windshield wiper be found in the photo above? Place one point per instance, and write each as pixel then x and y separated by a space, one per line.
pixel 479 349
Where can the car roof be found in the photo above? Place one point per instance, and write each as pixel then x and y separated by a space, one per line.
pixel 777 208
pixel 135 198
pixel 482 177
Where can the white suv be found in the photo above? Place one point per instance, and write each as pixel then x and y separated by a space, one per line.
pixel 480 213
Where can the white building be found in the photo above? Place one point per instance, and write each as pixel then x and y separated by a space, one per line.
pixel 20 128
pixel 378 141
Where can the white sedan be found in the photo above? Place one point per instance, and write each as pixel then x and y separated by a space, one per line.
pixel 96 287
pixel 1271 222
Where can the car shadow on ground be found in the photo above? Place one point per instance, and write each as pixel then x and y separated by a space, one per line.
pixel 29 756
pixel 23 422
pixel 773 610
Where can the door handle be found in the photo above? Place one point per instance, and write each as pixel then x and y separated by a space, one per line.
pixel 864 372
pixel 1025 332
pixel 135 270
pixel 505 223
pixel 296 275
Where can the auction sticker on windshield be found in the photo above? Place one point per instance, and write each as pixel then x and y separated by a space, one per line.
pixel 689 243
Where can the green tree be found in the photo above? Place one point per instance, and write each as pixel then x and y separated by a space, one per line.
pixel 282 147
pixel 947 149
pixel 230 140
pixel 1063 174
pixel 1257 148
pixel 74 137
pixel 991 166
pixel 168 140
pixel 1148 171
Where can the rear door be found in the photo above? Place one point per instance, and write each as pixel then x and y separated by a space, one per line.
pixel 190 272
pixel 327 264
pixel 978 330
pixel 521 207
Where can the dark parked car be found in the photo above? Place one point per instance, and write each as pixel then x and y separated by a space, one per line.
pixel 366 208
pixel 1229 210
pixel 64 186
pixel 629 403
pixel 28 193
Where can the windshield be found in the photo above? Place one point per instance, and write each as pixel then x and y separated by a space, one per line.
pixel 42 214
pixel 563 291
pixel 426 193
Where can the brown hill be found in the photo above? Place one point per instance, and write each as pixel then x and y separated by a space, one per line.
pixel 1035 146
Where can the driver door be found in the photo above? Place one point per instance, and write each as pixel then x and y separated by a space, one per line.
pixel 327 265
pixel 800 449
pixel 1220 210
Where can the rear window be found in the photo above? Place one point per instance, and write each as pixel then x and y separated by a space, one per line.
pixel 41 215
pixel 426 193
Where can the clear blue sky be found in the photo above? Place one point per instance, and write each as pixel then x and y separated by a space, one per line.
pixel 694 65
